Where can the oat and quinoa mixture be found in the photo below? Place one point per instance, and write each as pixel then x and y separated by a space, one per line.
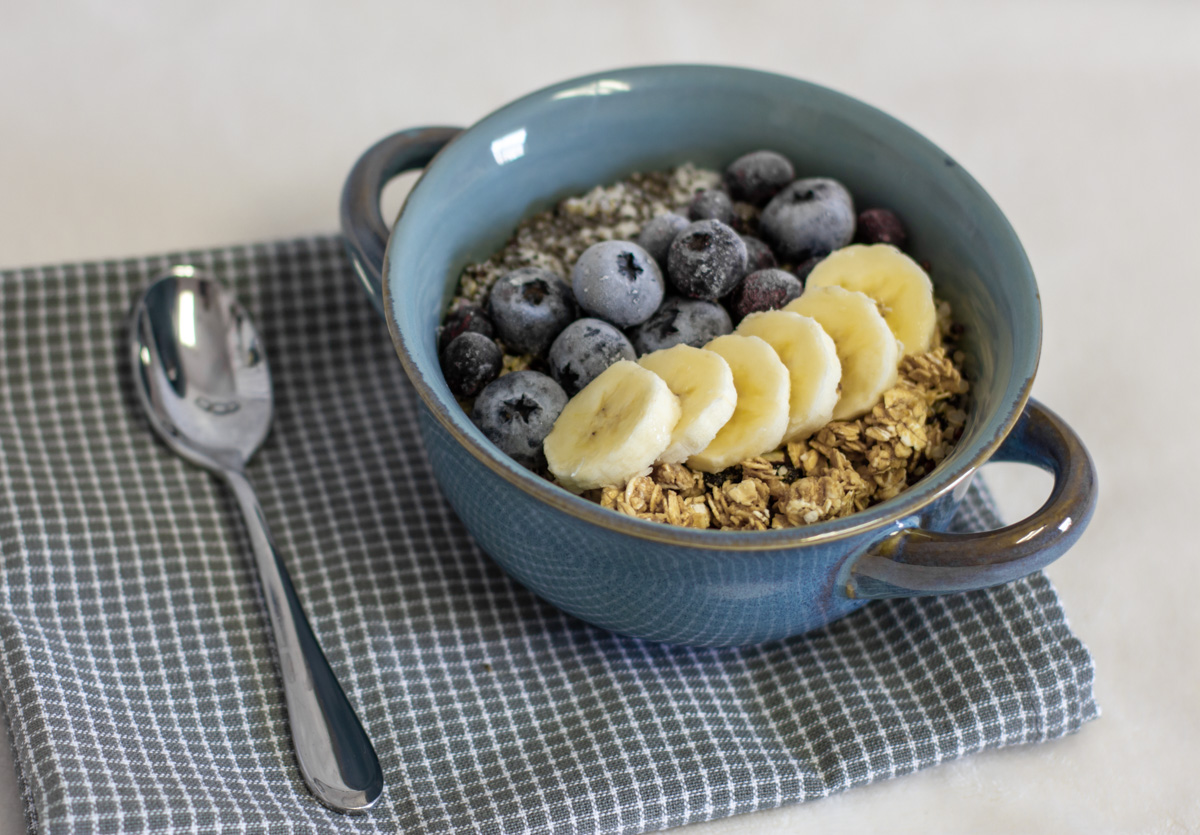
pixel 845 467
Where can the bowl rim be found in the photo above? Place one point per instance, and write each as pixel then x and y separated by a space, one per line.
pixel 889 514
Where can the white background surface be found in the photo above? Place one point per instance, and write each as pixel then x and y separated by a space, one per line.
pixel 133 128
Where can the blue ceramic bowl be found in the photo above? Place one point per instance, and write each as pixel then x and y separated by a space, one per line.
pixel 714 587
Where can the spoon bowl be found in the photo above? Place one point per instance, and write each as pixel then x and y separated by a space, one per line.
pixel 202 378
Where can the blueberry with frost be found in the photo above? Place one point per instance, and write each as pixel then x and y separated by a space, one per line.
pixel 711 204
pixel 706 260
pixel 681 321
pixel 810 217
pixel 657 234
pixel 469 362
pixel 617 281
pixel 517 411
pixel 583 350
pixel 529 307
pixel 758 176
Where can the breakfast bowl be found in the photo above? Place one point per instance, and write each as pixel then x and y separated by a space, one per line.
pixel 705 587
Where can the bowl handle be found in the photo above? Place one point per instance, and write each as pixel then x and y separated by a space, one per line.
pixel 363 227
pixel 915 562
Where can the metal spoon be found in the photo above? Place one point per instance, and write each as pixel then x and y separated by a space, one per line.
pixel 203 380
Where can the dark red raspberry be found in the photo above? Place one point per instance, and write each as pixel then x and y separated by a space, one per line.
pixel 758 254
pixel 880 226
pixel 465 317
pixel 763 290
pixel 805 267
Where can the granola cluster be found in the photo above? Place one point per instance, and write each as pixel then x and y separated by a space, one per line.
pixel 845 467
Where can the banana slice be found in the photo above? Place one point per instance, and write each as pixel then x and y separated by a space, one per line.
pixel 613 429
pixel 704 385
pixel 869 352
pixel 761 415
pixel 812 363
pixel 891 278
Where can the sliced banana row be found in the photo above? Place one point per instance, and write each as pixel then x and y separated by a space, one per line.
pixel 781 376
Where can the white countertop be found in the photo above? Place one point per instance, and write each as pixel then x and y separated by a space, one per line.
pixel 137 127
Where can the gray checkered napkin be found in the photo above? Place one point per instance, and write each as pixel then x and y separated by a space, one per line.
pixel 136 668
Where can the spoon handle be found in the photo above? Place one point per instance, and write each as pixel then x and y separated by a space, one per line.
pixel 335 755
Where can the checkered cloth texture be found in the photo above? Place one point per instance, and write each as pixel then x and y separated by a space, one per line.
pixel 137 671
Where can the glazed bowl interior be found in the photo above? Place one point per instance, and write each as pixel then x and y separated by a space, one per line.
pixel 566 139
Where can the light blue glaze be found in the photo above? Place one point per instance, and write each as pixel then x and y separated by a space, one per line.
pixel 636 577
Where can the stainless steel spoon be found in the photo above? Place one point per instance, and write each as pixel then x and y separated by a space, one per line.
pixel 203 380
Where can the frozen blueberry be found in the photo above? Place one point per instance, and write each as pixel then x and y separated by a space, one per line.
pixel 764 290
pixel 809 217
pixel 880 226
pixel 758 255
pixel 706 260
pixel 470 362
pixel 617 281
pixel 758 176
pixel 584 349
pixel 656 236
pixel 681 321
pixel 529 307
pixel 711 204
pixel 517 412
pixel 465 317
